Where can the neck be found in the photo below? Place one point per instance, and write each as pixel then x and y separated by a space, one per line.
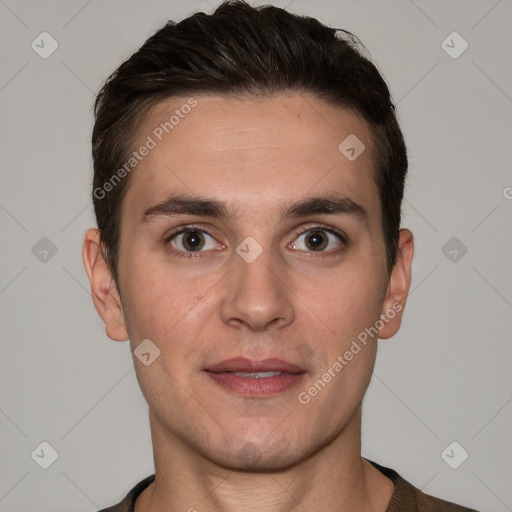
pixel 334 478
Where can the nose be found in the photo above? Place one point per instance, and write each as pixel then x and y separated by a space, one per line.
pixel 256 296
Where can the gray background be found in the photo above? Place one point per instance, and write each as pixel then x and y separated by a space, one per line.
pixel 445 377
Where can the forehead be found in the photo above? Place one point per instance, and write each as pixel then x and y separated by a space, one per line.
pixel 252 151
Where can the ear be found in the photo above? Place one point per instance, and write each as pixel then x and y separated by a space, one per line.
pixel 398 286
pixel 105 295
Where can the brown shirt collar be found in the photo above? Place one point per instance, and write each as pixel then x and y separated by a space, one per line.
pixel 405 497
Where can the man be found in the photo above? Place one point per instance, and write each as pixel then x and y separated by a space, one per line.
pixel 248 177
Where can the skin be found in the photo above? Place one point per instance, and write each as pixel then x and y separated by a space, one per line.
pixel 216 450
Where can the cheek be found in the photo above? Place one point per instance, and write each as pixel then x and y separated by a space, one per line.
pixel 346 301
pixel 168 309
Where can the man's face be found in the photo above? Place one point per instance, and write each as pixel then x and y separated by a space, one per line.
pixel 193 281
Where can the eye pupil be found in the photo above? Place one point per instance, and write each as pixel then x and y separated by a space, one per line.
pixel 193 240
pixel 316 240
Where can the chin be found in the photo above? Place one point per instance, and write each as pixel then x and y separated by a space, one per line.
pixel 251 460
pixel 262 455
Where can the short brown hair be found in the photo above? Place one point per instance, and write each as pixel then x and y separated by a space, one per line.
pixel 244 50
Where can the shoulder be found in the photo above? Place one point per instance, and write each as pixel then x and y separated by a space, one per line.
pixel 407 498
pixel 128 503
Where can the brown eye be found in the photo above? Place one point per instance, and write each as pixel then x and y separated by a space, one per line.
pixel 316 240
pixel 193 240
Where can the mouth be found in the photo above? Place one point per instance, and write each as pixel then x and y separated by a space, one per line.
pixel 254 378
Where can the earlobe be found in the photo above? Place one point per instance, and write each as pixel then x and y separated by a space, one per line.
pixel 398 286
pixel 105 295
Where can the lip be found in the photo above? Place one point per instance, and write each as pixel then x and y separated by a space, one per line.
pixel 243 364
pixel 223 374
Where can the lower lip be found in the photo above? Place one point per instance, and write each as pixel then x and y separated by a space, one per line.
pixel 266 386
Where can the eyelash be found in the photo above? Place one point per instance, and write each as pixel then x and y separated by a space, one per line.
pixel 317 227
pixel 186 229
pixel 343 239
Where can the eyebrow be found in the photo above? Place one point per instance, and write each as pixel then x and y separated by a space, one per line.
pixel 331 204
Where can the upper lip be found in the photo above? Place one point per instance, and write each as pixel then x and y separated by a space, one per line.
pixel 242 364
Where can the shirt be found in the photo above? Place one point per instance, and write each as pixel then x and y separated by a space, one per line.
pixel 405 497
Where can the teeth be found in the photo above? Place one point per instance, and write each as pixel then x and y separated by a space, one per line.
pixel 257 375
